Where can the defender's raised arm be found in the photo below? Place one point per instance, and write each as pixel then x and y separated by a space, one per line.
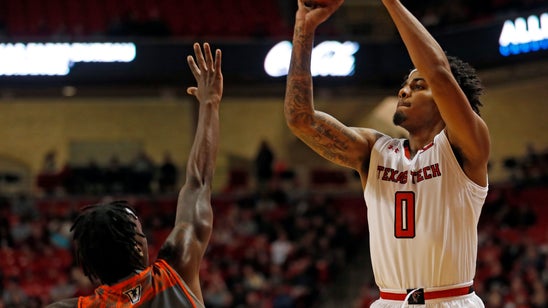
pixel 186 245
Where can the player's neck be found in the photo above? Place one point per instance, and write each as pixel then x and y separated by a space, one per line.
pixel 419 140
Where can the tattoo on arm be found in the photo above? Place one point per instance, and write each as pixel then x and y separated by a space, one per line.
pixel 300 94
pixel 332 138
pixel 324 134
pixel 302 46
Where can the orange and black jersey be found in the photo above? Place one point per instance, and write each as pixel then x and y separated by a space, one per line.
pixel 158 285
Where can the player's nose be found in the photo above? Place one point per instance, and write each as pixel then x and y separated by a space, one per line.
pixel 403 92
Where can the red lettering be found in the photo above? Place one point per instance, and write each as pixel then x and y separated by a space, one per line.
pixel 419 176
pixel 393 175
pixel 402 177
pixel 379 170
pixel 413 177
pixel 385 174
pixel 425 172
pixel 435 170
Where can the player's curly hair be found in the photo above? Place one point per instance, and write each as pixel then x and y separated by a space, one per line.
pixel 468 80
pixel 105 241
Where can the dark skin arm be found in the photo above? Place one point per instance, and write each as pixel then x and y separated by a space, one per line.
pixel 338 143
pixel 467 132
pixel 185 246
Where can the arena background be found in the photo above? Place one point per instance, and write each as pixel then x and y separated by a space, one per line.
pixel 515 111
pixel 101 110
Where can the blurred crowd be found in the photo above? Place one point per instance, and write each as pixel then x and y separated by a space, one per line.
pixel 100 19
pixel 61 20
pixel 530 169
pixel 272 247
pixel 440 14
pixel 140 175
pixel 278 244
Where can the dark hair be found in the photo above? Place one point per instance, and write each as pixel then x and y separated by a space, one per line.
pixel 468 80
pixel 105 241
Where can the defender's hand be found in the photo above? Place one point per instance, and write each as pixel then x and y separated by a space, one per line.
pixel 208 75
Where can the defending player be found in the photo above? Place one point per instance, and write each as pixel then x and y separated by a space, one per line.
pixel 109 240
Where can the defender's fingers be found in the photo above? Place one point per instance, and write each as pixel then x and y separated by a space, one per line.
pixel 193 67
pixel 191 90
pixel 218 59
pixel 208 56
pixel 199 56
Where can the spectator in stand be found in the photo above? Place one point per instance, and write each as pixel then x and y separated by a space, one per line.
pixel 89 179
pixel 168 175
pixel 63 288
pixel 13 295
pixel 264 164
pixel 23 204
pixel 50 163
pixel 6 238
pixel 115 176
pixel 519 216
pixel 142 173
pixel 280 248
pixel 49 178
pixel 126 24
pixel 216 292
pixel 154 25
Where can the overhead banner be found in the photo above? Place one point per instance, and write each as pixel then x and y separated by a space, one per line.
pixel 524 35
pixel 56 59
pixel 348 62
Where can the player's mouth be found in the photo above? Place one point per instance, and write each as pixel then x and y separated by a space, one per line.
pixel 403 104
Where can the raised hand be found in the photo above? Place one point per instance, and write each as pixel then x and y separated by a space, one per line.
pixel 315 12
pixel 208 74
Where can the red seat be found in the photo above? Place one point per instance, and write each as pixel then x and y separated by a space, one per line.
pixel 97 17
pixel 320 176
pixel 54 12
pixel 538 233
pixel 37 288
pixel 510 235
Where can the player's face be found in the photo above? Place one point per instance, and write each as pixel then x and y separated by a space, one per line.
pixel 142 244
pixel 415 103
pixel 142 241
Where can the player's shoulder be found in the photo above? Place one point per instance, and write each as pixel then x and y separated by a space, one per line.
pixel 368 136
pixel 65 303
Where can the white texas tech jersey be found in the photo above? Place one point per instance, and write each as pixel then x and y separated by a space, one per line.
pixel 422 215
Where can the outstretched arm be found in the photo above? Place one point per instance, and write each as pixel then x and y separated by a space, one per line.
pixel 323 133
pixel 466 130
pixel 186 245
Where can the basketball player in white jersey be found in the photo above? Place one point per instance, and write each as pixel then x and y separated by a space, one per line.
pixel 424 194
